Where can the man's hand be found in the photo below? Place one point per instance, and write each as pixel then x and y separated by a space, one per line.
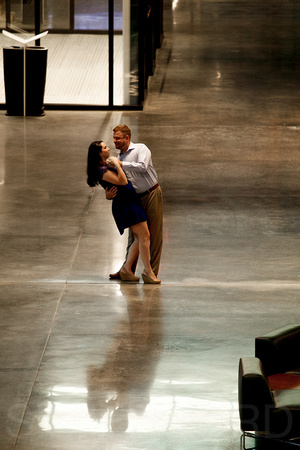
pixel 112 161
pixel 111 193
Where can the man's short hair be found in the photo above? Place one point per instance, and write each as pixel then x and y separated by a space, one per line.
pixel 125 130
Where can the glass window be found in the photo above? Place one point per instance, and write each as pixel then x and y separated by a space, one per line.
pixel 134 54
pixel 55 15
pixel 119 57
pixel 22 14
pixel 93 15
pixel 77 70
pixel 126 54
pixel 78 48
pixel 2 14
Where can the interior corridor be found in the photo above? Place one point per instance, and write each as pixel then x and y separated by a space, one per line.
pixel 88 363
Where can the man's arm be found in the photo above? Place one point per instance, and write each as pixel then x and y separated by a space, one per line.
pixel 111 193
pixel 143 160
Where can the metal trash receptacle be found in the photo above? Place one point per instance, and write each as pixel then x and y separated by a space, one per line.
pixel 35 80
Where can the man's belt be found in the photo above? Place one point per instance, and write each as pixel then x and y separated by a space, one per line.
pixel 149 190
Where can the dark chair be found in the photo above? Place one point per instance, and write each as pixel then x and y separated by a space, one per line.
pixel 279 350
pixel 265 413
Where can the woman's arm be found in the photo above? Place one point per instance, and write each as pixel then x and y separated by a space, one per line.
pixel 119 178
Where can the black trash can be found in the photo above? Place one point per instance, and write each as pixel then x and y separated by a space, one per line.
pixel 36 67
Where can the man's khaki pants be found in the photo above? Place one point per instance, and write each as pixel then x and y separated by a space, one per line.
pixel 153 206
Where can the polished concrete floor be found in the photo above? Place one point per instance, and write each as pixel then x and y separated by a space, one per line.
pixel 88 363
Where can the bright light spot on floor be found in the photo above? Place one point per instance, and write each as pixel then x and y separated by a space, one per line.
pixel 73 408
pixel 67 390
pixel 185 383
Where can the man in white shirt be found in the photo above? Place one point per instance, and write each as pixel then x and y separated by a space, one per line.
pixel 135 159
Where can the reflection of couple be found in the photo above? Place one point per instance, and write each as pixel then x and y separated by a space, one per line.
pixel 122 384
pixel 131 182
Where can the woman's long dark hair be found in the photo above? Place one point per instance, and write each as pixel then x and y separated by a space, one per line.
pixel 93 162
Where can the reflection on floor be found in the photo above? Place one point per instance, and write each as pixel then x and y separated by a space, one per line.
pixel 92 363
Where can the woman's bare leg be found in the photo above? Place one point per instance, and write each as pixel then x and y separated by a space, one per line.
pixel 141 231
pixel 133 254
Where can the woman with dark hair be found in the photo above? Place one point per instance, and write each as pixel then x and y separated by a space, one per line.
pixel 126 208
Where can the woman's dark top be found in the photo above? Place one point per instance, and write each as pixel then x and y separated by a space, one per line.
pixel 126 206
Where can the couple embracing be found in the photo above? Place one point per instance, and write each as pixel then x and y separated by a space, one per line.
pixel 131 182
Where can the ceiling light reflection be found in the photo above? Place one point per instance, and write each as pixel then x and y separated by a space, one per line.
pixel 188 383
pixel 67 409
pixel 57 390
pixel 174 4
